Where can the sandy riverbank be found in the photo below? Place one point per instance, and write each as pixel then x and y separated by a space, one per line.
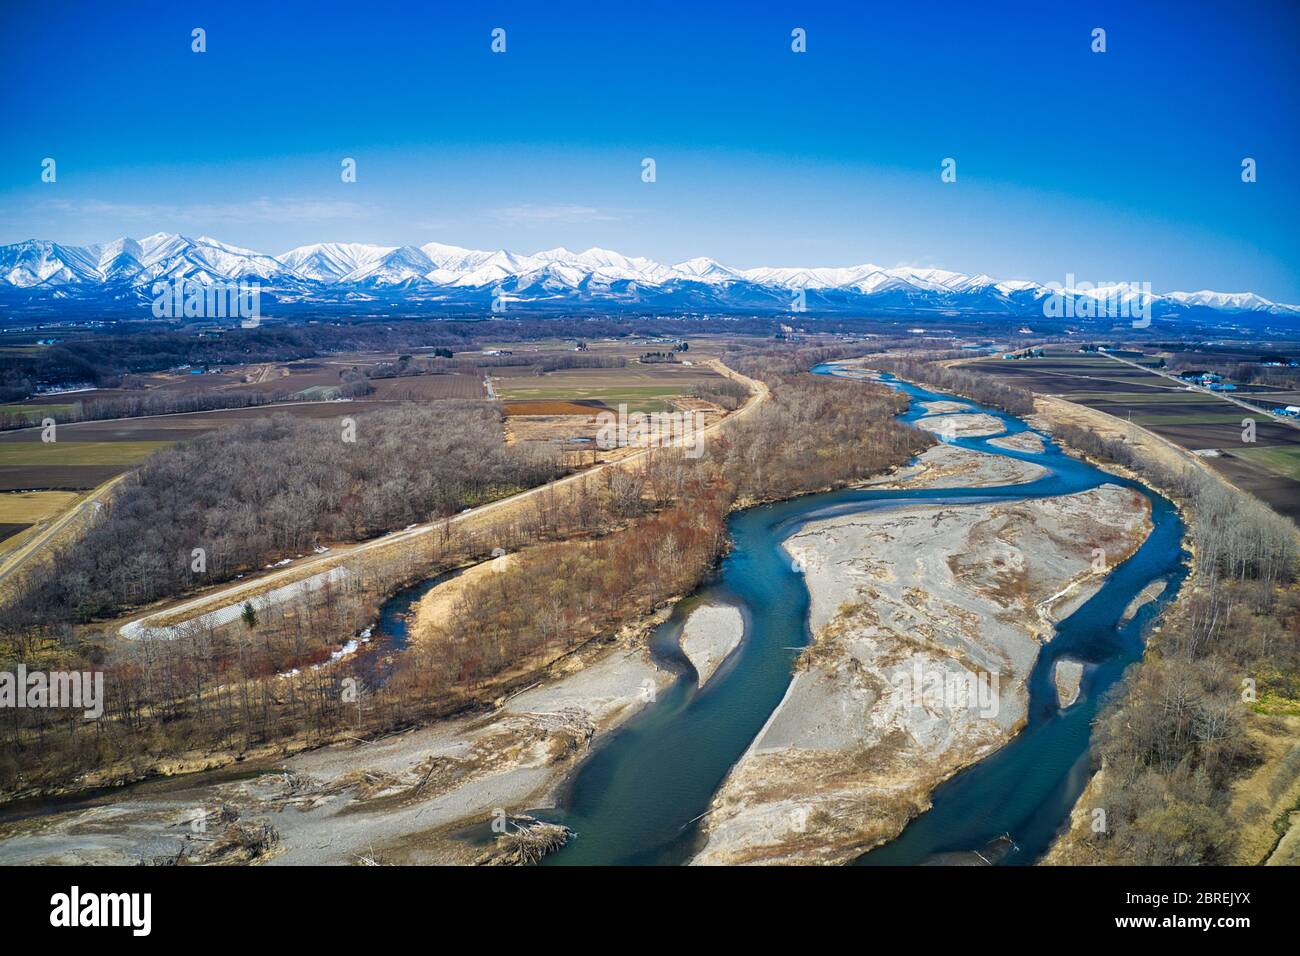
pixel 441 603
pixel 944 407
pixel 1144 597
pixel 709 636
pixel 927 620
pixel 951 466
pixel 398 799
pixel 1067 675
pixel 1021 441
pixel 973 425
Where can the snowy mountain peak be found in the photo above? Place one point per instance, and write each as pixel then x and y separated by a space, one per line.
pixel 437 272
pixel 331 261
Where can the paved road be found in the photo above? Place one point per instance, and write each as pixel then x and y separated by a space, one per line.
pixel 1226 396
pixel 232 595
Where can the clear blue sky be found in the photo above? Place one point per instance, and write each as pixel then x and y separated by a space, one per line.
pixel 1116 166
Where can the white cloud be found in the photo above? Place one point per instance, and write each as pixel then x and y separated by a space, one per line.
pixel 262 210
pixel 530 214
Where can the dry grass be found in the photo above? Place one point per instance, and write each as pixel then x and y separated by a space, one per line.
pixel 1262 801
pixel 29 507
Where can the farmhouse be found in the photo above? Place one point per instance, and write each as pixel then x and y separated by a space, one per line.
pixel 1023 354
pixel 1203 378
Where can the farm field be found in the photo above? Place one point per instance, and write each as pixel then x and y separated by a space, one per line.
pixel 643 388
pixel 1275 398
pixel 319 380
pixel 643 398
pixel 71 465
pixel 77 452
pixel 288 379
pixel 1282 460
pixel 561 407
pixel 33 412
pixel 33 506
pixel 702 348
pixel 513 371
pixel 1067 373
pixel 21 510
pixel 524 408
pixel 89 453
pixel 185 425
pixel 427 388
pixel 51 476
pixel 1126 399
pixel 1269 467
pixel 303 379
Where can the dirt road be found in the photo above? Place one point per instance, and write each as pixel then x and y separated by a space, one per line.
pixel 278 585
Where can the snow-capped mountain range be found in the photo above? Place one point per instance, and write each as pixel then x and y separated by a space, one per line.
pixel 127 270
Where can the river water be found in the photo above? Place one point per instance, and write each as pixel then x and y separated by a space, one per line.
pixel 639 797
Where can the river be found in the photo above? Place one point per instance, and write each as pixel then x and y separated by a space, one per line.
pixel 638 799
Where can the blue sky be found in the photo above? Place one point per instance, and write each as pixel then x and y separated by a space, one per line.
pixel 1122 166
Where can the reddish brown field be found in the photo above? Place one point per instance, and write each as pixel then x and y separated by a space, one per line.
pixel 554 408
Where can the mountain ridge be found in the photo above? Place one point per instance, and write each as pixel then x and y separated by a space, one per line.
pixel 127 268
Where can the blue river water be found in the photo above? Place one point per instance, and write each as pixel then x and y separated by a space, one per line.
pixel 639 797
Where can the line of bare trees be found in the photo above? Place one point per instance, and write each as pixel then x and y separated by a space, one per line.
pixel 817 431
pixel 723 392
pixel 145 403
pixel 979 388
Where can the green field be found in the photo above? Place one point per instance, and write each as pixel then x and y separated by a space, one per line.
pixel 318 393
pixel 36 412
pixel 77 452
pixel 1282 460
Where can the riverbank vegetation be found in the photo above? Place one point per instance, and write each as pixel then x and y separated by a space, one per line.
pixel 978 388
pixel 586 562
pixel 1174 741
pixel 810 438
